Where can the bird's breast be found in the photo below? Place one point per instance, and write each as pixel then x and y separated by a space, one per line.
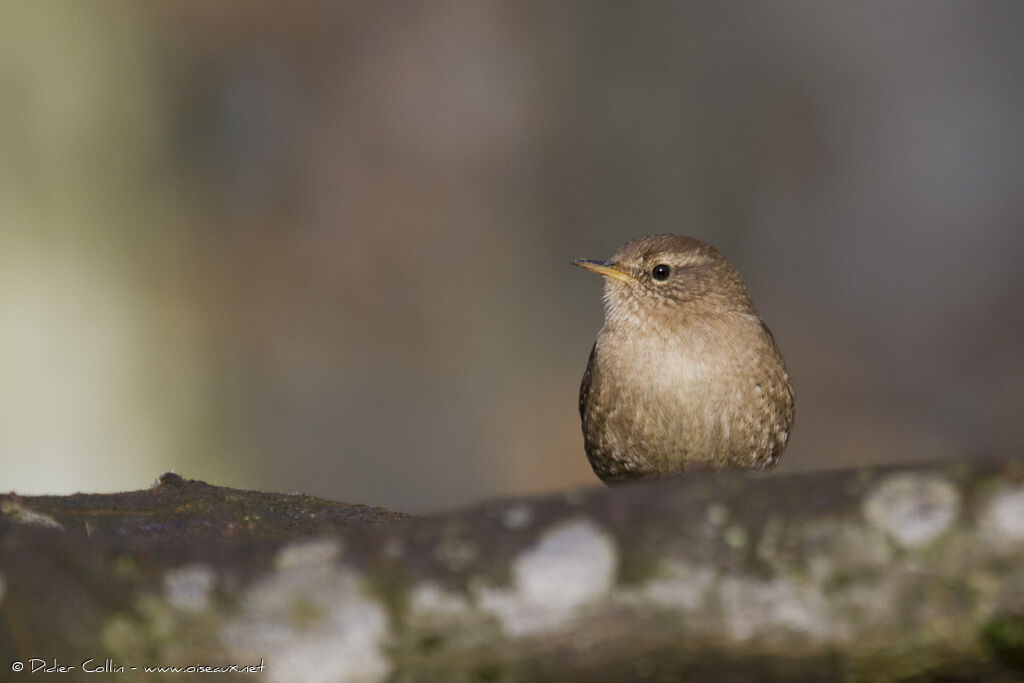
pixel 688 387
pixel 655 359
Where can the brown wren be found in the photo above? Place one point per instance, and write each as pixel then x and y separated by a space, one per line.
pixel 684 374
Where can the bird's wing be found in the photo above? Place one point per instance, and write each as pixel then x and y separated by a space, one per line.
pixel 585 384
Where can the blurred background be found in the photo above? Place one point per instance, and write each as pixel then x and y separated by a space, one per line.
pixel 324 247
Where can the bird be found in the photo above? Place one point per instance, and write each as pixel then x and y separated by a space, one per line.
pixel 684 374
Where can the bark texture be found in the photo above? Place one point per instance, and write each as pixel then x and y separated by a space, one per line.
pixel 883 574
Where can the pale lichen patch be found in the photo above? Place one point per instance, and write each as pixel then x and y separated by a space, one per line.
pixel 717 514
pixel 735 537
pixel 573 565
pixel 315 617
pixel 307 553
pixel 23 515
pixel 1002 521
pixel 913 509
pixel 677 584
pixel 430 603
pixel 189 588
pixel 752 607
pixel 518 516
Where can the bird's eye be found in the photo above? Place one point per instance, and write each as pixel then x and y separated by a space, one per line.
pixel 661 272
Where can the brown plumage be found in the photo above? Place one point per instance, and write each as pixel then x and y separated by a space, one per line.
pixel 684 374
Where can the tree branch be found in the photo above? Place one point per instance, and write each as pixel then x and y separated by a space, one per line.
pixel 882 574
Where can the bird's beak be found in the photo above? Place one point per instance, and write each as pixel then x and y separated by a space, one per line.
pixel 606 268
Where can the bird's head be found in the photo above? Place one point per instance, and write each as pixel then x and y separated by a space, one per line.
pixel 665 278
